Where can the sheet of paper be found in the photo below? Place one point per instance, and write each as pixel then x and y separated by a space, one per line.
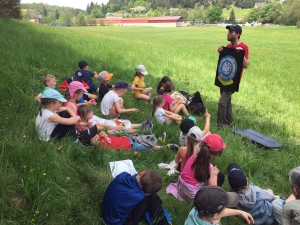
pixel 118 167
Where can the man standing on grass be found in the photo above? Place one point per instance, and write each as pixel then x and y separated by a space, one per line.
pixel 225 108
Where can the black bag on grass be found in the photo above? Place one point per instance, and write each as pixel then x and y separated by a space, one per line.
pixel 196 106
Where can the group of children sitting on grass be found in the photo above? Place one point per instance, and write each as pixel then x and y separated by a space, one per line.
pixel 130 199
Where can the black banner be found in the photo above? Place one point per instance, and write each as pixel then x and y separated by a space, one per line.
pixel 229 69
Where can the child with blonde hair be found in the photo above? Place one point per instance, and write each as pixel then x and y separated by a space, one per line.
pixel 138 85
pixel 88 119
pixel 163 116
pixel 170 104
pixel 49 81
pixel 51 125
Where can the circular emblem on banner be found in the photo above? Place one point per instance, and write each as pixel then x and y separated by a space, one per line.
pixel 227 68
pixel 79 74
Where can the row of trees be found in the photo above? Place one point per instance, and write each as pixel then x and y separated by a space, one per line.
pixel 154 4
pixel 285 14
pixel 10 9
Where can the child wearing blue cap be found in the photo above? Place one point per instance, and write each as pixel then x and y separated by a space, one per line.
pixel 48 123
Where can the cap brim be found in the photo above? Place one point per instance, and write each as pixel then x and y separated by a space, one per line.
pixel 233 199
pixel 232 166
pixel 61 99
pixel 109 76
pixel 84 89
pixel 129 89
pixel 144 73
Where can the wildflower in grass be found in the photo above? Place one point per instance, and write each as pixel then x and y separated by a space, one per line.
pixel 44 174
pixel 37 212
pixel 47 214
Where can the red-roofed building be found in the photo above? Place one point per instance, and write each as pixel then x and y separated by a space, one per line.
pixel 166 21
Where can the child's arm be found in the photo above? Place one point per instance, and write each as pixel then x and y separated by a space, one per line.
pixel 136 88
pixel 213 180
pixel 70 111
pixel 38 97
pixel 65 121
pixel 120 110
pixel 207 124
pixel 95 75
pixel 234 212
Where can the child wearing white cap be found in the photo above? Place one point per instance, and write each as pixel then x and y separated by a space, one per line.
pixel 139 91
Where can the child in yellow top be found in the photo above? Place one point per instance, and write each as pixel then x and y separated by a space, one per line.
pixel 138 85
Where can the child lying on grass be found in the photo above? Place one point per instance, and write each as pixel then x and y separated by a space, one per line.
pixel 138 142
pixel 113 126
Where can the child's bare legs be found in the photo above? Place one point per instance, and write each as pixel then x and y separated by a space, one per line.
pixel 113 110
pixel 168 121
pixel 156 147
pixel 181 107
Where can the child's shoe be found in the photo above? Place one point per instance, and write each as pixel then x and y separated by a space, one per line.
pixel 163 136
pixel 148 125
pixel 173 147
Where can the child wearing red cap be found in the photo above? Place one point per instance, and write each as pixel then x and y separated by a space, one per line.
pixel 198 171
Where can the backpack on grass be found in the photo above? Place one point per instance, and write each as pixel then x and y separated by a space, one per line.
pixel 196 105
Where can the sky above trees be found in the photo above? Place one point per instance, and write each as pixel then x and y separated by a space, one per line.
pixel 70 3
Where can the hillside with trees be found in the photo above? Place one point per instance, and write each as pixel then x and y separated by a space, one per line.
pixel 200 11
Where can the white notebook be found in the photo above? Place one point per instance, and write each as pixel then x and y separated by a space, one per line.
pixel 118 167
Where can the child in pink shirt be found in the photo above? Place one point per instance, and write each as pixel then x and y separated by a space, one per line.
pixel 170 105
pixel 198 170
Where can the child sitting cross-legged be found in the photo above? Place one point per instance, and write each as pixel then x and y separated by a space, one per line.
pixel 113 126
pixel 210 206
pixel 252 199
pixel 163 116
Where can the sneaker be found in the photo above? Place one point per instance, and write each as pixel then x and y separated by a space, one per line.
pixel 163 136
pixel 148 125
pixel 173 147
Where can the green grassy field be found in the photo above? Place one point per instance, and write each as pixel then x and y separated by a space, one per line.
pixel 41 185
pixel 237 12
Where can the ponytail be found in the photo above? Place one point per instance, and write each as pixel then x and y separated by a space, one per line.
pixel 45 102
pixel 201 164
pixel 190 147
pixel 156 102
pixel 67 94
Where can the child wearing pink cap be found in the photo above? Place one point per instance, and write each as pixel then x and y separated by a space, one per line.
pixel 73 94
pixel 198 170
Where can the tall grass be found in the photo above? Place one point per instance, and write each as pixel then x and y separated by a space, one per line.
pixel 43 185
